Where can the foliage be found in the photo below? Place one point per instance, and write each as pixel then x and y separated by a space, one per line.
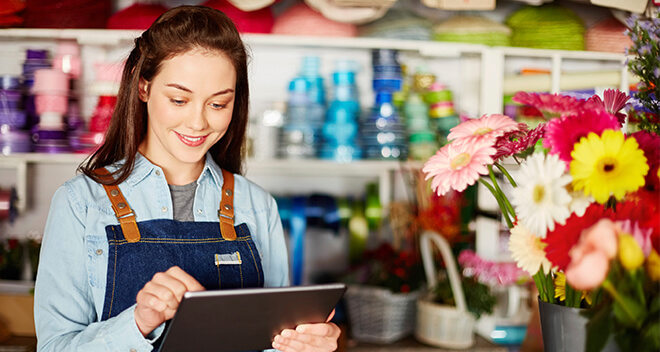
pixel 400 271
pixel 478 298
pixel 645 35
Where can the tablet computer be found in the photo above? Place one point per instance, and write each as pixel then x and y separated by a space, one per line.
pixel 246 319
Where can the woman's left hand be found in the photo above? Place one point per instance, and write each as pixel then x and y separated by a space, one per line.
pixel 309 337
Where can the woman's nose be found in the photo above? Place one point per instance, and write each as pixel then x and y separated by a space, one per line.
pixel 196 120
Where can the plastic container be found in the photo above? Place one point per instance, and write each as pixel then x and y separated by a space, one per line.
pixel 15 119
pixel 10 99
pixel 67 58
pixel 51 121
pixel 14 141
pixel 10 82
pixel 51 103
pixel 50 81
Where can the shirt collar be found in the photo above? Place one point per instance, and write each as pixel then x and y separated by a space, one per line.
pixel 143 168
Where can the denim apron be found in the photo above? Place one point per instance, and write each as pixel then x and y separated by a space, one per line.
pixel 217 254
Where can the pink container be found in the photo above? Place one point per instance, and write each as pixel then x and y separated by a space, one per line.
pixel 51 103
pixel 67 58
pixel 50 81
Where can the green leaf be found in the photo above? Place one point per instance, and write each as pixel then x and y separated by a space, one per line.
pixel 599 328
pixel 655 305
pixel 629 312
pixel 651 336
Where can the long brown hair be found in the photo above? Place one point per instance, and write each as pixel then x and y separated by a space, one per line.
pixel 177 31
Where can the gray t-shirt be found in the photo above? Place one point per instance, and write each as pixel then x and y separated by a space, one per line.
pixel 182 201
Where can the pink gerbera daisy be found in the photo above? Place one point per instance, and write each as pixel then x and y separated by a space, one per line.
pixel 517 142
pixel 551 105
pixel 455 166
pixel 613 101
pixel 561 134
pixel 487 127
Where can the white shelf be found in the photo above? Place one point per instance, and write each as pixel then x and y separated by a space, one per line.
pixel 278 166
pixel 425 48
pixel 16 286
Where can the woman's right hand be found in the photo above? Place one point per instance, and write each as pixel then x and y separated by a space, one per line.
pixel 159 299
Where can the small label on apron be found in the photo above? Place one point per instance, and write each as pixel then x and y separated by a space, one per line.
pixel 228 259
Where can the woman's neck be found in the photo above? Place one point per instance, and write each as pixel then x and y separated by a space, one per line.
pixel 177 173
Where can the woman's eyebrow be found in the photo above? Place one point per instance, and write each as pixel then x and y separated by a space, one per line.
pixel 180 87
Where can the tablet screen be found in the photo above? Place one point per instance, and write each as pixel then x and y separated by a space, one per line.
pixel 246 319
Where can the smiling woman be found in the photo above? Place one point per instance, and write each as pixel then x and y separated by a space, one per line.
pixel 189 108
pixel 161 199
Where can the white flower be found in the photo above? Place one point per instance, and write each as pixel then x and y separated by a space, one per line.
pixel 527 250
pixel 579 202
pixel 541 198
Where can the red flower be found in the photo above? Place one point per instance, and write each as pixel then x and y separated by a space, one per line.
pixel 564 237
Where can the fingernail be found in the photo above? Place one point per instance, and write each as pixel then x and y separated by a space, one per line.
pixel 300 329
pixel 286 333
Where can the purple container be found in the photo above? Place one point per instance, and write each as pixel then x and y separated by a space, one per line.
pixel 10 82
pixel 10 99
pixel 45 136
pixel 36 54
pixel 53 147
pixel 12 142
pixel 30 66
pixel 15 119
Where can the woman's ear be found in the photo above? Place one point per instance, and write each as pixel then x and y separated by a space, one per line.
pixel 143 90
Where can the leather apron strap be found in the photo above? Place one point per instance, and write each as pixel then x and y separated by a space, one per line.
pixel 226 211
pixel 126 216
pixel 122 210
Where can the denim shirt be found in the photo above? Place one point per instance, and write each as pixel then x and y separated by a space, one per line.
pixel 71 280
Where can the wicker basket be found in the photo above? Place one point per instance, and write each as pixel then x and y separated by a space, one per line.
pixel 379 316
pixel 437 324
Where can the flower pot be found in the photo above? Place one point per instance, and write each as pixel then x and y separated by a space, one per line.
pixel 564 329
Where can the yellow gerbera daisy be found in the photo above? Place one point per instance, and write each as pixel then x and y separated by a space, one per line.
pixel 607 165
pixel 560 288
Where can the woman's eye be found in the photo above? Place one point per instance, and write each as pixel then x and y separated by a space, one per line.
pixel 177 102
pixel 217 106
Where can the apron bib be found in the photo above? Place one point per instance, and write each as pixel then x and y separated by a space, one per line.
pixel 217 254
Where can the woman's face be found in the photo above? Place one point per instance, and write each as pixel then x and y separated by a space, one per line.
pixel 189 105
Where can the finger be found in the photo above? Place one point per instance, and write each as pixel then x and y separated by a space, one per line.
pixel 190 282
pixel 329 330
pixel 146 300
pixel 167 289
pixel 287 341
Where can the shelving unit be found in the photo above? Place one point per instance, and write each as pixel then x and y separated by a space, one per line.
pixel 478 75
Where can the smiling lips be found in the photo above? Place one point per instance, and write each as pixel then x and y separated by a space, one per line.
pixel 191 141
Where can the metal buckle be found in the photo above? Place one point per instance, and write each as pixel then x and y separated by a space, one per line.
pixel 220 214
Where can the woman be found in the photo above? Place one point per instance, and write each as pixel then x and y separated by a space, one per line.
pixel 158 210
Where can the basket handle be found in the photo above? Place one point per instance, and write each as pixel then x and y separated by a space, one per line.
pixel 429 266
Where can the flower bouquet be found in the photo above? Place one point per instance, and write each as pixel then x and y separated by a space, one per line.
pixel 584 210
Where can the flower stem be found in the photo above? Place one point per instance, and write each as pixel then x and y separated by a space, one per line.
pixel 539 280
pixel 500 202
pixel 506 173
pixel 609 287
pixel 497 187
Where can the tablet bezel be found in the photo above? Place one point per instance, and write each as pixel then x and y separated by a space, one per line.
pixel 246 319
